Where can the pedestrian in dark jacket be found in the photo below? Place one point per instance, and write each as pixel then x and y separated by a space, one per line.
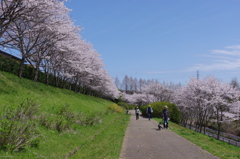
pixel 165 117
pixel 149 111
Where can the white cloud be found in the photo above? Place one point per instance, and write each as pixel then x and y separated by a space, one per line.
pixel 237 47
pixel 226 59
pixel 219 65
pixel 226 52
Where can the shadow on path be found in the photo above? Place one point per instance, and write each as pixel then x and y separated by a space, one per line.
pixel 143 140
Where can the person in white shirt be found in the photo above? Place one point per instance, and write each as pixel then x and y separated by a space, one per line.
pixel 137 112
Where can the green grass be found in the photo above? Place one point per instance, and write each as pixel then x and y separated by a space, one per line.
pixel 102 140
pixel 98 141
pixel 14 90
pixel 218 148
pixel 107 142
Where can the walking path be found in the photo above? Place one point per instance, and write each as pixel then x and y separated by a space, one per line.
pixel 143 140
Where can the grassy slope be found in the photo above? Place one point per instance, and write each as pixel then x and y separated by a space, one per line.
pixel 13 90
pixel 88 140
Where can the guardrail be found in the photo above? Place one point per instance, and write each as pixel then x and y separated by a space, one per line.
pixel 233 140
pixel 225 139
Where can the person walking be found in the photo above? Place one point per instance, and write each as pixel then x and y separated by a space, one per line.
pixel 137 112
pixel 149 111
pixel 165 117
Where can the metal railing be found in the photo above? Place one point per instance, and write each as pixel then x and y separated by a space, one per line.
pixel 228 138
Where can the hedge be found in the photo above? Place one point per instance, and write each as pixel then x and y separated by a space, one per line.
pixel 174 113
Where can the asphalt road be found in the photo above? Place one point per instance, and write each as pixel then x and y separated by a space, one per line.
pixel 143 140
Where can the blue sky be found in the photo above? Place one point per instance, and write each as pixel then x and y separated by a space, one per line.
pixel 167 40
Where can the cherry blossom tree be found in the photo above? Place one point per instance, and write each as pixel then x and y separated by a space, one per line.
pixel 151 92
pixel 223 97
pixel 191 99
pixel 159 91
pixel 205 99
pixel 25 32
pixel 186 105
pixel 10 10
pixel 137 98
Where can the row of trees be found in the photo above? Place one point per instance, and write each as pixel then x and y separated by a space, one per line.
pixel 47 39
pixel 201 101
pixel 151 91
pixel 131 85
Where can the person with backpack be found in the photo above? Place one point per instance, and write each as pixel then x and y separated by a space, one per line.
pixel 137 112
pixel 165 117
pixel 149 112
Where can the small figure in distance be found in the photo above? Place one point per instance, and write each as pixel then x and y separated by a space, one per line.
pixel 137 112
pixel 165 117
pixel 149 111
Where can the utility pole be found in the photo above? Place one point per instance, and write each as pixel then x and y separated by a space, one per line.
pixel 239 115
pixel 197 74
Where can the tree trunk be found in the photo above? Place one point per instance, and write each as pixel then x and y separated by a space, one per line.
pixel 47 78
pixel 219 130
pixel 75 90
pixel 56 79
pixel 36 73
pixel 20 71
pixel 190 126
pixel 204 129
pixel 63 83
pixel 219 125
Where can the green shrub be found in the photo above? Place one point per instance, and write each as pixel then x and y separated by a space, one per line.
pixel 90 119
pixel 18 126
pixel 158 107
pixel 93 118
pixel 62 120
pixel 55 122
pixel 9 65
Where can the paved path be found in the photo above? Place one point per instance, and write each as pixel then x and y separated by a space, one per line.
pixel 143 140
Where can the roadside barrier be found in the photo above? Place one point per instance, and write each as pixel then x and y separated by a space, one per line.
pixel 228 138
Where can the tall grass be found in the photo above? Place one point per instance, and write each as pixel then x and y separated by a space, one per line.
pixel 101 138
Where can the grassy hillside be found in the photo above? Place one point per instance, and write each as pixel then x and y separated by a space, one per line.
pixel 82 140
pixel 13 90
